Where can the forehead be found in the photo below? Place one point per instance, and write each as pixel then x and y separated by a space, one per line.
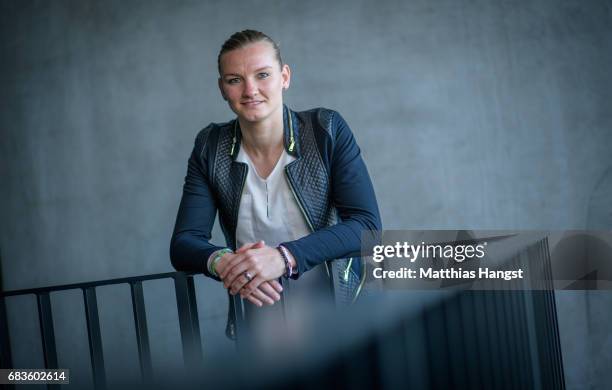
pixel 248 58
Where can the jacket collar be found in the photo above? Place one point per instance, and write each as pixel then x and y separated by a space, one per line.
pixel 290 134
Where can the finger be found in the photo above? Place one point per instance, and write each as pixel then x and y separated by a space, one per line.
pixel 239 282
pixel 251 245
pixel 267 289
pixel 276 285
pixel 252 286
pixel 223 267
pixel 254 301
pixel 235 272
pixel 246 246
pixel 263 297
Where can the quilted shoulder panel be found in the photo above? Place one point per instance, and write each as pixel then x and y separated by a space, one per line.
pixel 309 176
pixel 324 117
pixel 228 180
pixel 202 137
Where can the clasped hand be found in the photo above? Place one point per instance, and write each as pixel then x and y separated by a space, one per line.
pixel 263 264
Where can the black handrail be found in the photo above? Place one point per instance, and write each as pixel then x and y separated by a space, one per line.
pixel 475 339
pixel 97 283
pixel 187 314
pixel 472 339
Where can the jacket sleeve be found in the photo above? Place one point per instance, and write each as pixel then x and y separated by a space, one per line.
pixel 190 246
pixel 354 198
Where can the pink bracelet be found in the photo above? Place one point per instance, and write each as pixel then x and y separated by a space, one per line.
pixel 288 267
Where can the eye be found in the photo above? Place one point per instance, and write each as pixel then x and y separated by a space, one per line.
pixel 263 75
pixel 233 80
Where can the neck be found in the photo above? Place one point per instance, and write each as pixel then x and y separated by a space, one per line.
pixel 263 138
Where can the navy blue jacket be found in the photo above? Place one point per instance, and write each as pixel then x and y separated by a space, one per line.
pixel 328 178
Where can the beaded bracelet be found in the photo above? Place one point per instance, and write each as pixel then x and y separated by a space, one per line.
pixel 215 260
pixel 288 267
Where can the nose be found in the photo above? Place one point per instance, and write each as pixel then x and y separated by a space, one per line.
pixel 250 88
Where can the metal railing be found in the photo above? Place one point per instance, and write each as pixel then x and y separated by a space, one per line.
pixel 187 315
pixel 473 339
pixel 495 339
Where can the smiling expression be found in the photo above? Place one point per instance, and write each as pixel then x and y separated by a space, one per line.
pixel 252 82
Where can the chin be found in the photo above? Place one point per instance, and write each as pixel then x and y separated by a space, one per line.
pixel 252 116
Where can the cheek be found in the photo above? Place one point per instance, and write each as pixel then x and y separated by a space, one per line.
pixel 274 86
pixel 232 92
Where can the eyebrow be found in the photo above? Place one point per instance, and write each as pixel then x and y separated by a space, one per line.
pixel 256 70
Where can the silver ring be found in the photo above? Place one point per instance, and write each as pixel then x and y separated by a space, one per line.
pixel 248 276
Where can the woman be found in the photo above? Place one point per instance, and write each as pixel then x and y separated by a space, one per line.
pixel 291 189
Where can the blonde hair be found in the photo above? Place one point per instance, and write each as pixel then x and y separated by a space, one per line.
pixel 243 38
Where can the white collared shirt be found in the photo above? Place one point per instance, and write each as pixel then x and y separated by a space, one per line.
pixel 268 210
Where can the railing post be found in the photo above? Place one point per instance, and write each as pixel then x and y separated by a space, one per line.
pixel 236 308
pixel 6 360
pixel 555 321
pixel 45 318
pixel 5 343
pixel 529 298
pixel 46 330
pixel 95 338
pixel 188 321
pixel 142 333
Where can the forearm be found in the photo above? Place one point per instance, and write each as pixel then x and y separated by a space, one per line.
pixel 190 254
pixel 337 241
pixel 190 245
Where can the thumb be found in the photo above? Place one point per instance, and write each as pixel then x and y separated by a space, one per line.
pixel 251 245
pixel 245 246
pixel 259 244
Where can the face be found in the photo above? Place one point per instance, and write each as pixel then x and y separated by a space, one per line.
pixel 252 82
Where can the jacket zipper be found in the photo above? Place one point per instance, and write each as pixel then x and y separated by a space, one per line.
pixel 346 271
pixel 297 199
pixel 244 177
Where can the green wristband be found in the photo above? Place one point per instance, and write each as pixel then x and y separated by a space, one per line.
pixel 215 260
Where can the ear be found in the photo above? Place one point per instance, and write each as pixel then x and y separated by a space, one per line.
pixel 286 76
pixel 220 83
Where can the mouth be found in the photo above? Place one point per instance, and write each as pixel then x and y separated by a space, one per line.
pixel 252 103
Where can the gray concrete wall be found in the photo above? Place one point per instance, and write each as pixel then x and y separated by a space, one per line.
pixel 470 114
